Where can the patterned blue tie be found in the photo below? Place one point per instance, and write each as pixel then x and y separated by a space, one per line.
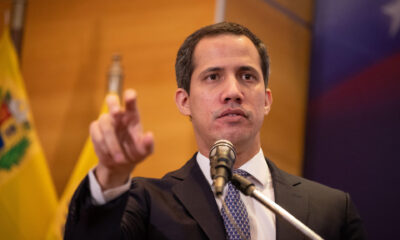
pixel 238 211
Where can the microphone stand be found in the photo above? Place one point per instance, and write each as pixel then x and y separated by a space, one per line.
pixel 248 188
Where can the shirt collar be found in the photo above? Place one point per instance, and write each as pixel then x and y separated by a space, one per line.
pixel 257 167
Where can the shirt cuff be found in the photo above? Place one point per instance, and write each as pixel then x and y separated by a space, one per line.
pixel 98 196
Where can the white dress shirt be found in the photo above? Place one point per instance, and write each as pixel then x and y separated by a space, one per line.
pixel 262 220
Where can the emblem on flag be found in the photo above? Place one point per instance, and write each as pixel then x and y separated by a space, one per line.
pixel 14 129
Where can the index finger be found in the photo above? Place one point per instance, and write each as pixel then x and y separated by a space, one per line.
pixel 113 103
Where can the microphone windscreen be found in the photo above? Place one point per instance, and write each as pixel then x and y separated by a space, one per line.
pixel 221 152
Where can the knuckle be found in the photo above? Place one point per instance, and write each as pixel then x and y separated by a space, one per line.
pixel 104 118
pixel 106 125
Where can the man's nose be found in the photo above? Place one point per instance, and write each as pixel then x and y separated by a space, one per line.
pixel 232 90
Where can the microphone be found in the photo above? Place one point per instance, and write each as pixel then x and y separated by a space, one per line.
pixel 222 157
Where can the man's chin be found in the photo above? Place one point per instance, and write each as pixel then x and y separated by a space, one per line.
pixel 235 138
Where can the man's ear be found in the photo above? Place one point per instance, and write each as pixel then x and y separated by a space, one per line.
pixel 268 101
pixel 182 101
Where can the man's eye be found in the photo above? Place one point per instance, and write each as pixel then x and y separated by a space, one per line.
pixel 212 77
pixel 248 76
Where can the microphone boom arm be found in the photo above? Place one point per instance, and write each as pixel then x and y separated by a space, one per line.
pixel 248 188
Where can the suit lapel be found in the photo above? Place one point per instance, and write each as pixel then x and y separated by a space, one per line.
pixel 195 194
pixel 290 198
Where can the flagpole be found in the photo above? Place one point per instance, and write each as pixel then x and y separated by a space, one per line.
pixel 115 76
pixel 17 24
pixel 220 6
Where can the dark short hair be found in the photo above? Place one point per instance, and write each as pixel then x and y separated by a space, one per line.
pixel 184 61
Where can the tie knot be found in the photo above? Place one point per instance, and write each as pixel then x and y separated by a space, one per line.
pixel 241 172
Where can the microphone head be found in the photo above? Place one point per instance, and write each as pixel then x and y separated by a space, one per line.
pixel 222 153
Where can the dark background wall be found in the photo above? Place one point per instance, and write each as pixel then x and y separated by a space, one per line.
pixel 353 125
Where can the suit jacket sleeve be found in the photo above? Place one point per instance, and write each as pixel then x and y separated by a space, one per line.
pixel 353 228
pixel 108 221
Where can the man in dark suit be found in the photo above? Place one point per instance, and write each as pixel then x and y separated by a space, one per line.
pixel 222 75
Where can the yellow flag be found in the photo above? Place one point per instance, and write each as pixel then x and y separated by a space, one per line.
pixel 86 161
pixel 27 195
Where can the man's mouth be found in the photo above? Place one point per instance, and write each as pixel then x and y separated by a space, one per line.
pixel 233 113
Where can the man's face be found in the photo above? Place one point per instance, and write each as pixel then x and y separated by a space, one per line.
pixel 228 98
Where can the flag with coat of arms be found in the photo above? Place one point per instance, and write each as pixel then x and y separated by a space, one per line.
pixel 27 196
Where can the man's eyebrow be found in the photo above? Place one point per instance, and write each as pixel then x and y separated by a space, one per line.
pixel 247 68
pixel 212 69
